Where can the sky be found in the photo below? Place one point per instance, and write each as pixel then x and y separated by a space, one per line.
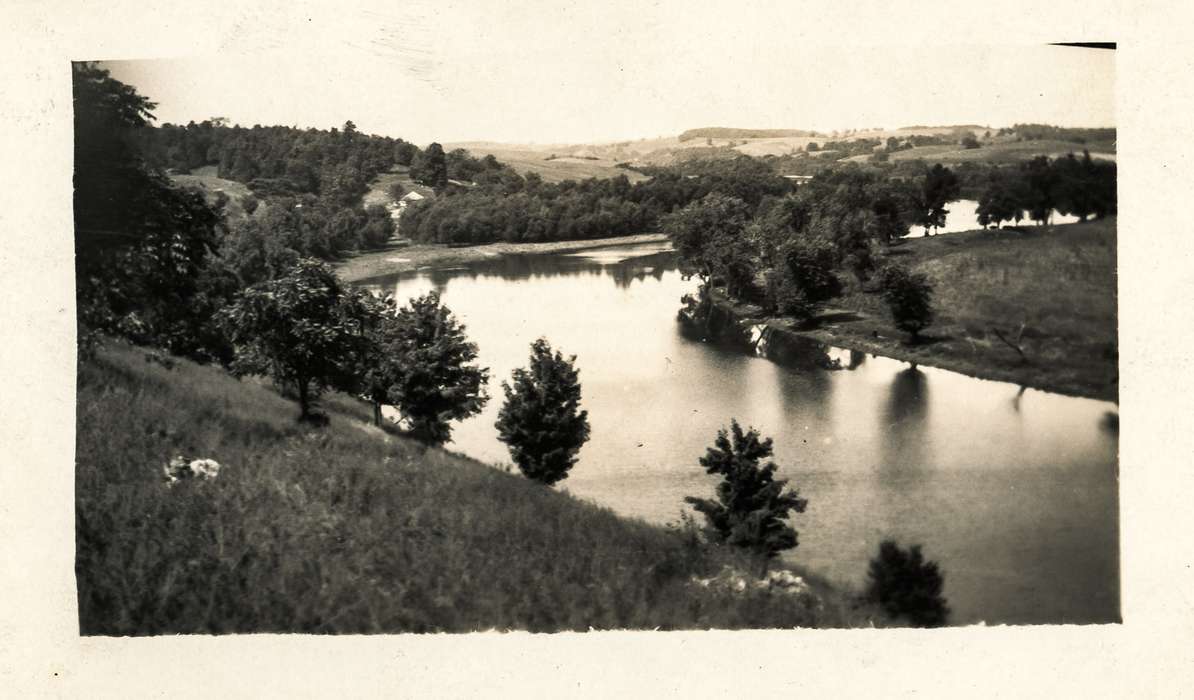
pixel 508 78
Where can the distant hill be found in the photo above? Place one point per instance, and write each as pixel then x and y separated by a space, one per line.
pixel 947 128
pixel 722 132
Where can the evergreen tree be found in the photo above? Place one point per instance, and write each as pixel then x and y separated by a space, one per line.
pixel 752 506
pixel 905 585
pixel 540 420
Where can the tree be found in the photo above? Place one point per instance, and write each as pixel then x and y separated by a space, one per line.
pixel 940 187
pixel 970 141
pixel 701 231
pixel 431 167
pixel 378 228
pixel 433 379
pixel 374 366
pixel 297 330
pixel 805 278
pixel 1077 189
pixel 905 585
pixel 1041 180
pixel 540 420
pixel 752 506
pixel 909 296
pixel 141 244
pixel 1003 199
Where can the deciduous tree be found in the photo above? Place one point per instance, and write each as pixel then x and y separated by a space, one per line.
pixel 909 296
pixel 297 330
pixel 434 378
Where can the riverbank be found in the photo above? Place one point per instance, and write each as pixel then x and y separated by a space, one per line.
pixel 404 258
pixel 350 528
pixel 1050 294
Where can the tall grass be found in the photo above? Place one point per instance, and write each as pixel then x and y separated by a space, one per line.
pixel 351 529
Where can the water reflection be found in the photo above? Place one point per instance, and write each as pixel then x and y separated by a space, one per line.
pixel 1012 491
pixel 904 419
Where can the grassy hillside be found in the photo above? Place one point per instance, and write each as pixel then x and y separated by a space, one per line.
pixel 352 529
pixel 205 179
pixel 379 188
pixel 569 163
pixel 1002 151
pixel 1053 291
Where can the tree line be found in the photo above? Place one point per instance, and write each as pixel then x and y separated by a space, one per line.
pixel 1082 187
pixel 504 206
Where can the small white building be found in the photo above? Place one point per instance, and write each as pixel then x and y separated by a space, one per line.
pixel 395 208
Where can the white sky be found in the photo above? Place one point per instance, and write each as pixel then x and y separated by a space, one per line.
pixel 591 75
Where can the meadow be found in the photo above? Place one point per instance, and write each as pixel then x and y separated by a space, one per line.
pixel 537 159
pixel 350 528
pixel 1050 291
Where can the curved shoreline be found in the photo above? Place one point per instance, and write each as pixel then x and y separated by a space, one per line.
pixel 724 313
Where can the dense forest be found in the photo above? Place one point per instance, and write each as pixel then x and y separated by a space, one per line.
pixel 526 209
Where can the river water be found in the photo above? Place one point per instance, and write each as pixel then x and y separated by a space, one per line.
pixel 962 215
pixel 1014 493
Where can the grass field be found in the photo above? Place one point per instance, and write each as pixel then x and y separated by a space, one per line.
pixel 1050 291
pixel 205 179
pixel 1002 152
pixel 354 529
pixel 527 159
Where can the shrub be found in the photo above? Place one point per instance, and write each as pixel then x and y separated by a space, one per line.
pixel 905 585
pixel 752 506
pixel 540 420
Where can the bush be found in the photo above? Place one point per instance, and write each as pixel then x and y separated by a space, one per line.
pixel 905 585
pixel 752 506
pixel 540 421
pixel 909 296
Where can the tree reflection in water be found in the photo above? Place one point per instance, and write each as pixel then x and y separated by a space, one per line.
pixel 905 443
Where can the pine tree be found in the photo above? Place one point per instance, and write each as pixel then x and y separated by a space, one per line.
pixel 905 585
pixel 540 420
pixel 752 506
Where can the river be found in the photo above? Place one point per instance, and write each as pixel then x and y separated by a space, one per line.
pixel 962 215
pixel 1013 493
